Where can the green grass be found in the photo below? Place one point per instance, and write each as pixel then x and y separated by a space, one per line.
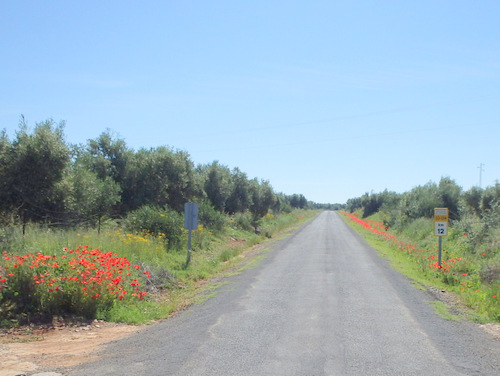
pixel 443 310
pixel 137 313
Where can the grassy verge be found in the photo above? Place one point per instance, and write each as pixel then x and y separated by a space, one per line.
pixel 122 277
pixel 414 253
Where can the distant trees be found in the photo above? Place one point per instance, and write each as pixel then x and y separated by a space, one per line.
pixel 490 199
pixel 239 199
pixel 146 181
pixel 108 156
pixel 298 201
pixel 449 195
pixel 44 179
pixel 420 201
pixel 262 197
pixel 373 202
pixel 217 185
pixel 472 200
pixel 159 176
pixel 86 197
pixel 400 209
pixel 5 176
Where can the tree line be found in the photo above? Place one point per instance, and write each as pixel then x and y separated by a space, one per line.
pixel 476 210
pixel 45 180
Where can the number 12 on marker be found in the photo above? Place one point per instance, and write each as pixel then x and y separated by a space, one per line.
pixel 440 228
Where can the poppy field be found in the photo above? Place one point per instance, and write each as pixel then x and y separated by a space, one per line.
pixel 80 281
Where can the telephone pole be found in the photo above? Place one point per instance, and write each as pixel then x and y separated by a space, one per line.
pixel 480 173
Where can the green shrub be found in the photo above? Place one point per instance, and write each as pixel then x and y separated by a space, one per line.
pixel 490 271
pixel 419 229
pixel 211 218
pixel 244 221
pixel 227 254
pixel 160 222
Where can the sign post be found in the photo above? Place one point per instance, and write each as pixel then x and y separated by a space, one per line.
pixel 441 218
pixel 190 223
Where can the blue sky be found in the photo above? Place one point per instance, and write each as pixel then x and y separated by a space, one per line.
pixel 330 99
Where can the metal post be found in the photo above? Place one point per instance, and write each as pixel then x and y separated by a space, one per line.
pixel 439 255
pixel 189 249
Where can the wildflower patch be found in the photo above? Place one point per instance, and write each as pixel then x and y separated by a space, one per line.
pixel 80 281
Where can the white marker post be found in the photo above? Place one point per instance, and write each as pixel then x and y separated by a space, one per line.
pixel 441 218
pixel 190 223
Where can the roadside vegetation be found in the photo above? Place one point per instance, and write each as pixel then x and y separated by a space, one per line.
pixel 118 276
pixel 401 227
pixel 96 230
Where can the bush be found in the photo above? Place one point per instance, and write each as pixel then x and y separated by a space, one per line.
pixel 211 218
pixel 420 229
pixel 490 272
pixel 156 221
pixel 244 221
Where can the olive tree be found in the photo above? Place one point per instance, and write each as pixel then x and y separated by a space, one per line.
pixel 30 167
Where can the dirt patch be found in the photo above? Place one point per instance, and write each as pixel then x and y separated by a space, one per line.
pixel 452 301
pixel 35 349
pixel 493 329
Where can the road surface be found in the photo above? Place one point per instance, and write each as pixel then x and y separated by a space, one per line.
pixel 321 303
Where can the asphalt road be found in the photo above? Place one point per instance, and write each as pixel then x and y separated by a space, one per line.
pixel 321 303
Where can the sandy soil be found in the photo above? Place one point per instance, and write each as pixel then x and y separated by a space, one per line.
pixel 37 349
pixel 493 329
